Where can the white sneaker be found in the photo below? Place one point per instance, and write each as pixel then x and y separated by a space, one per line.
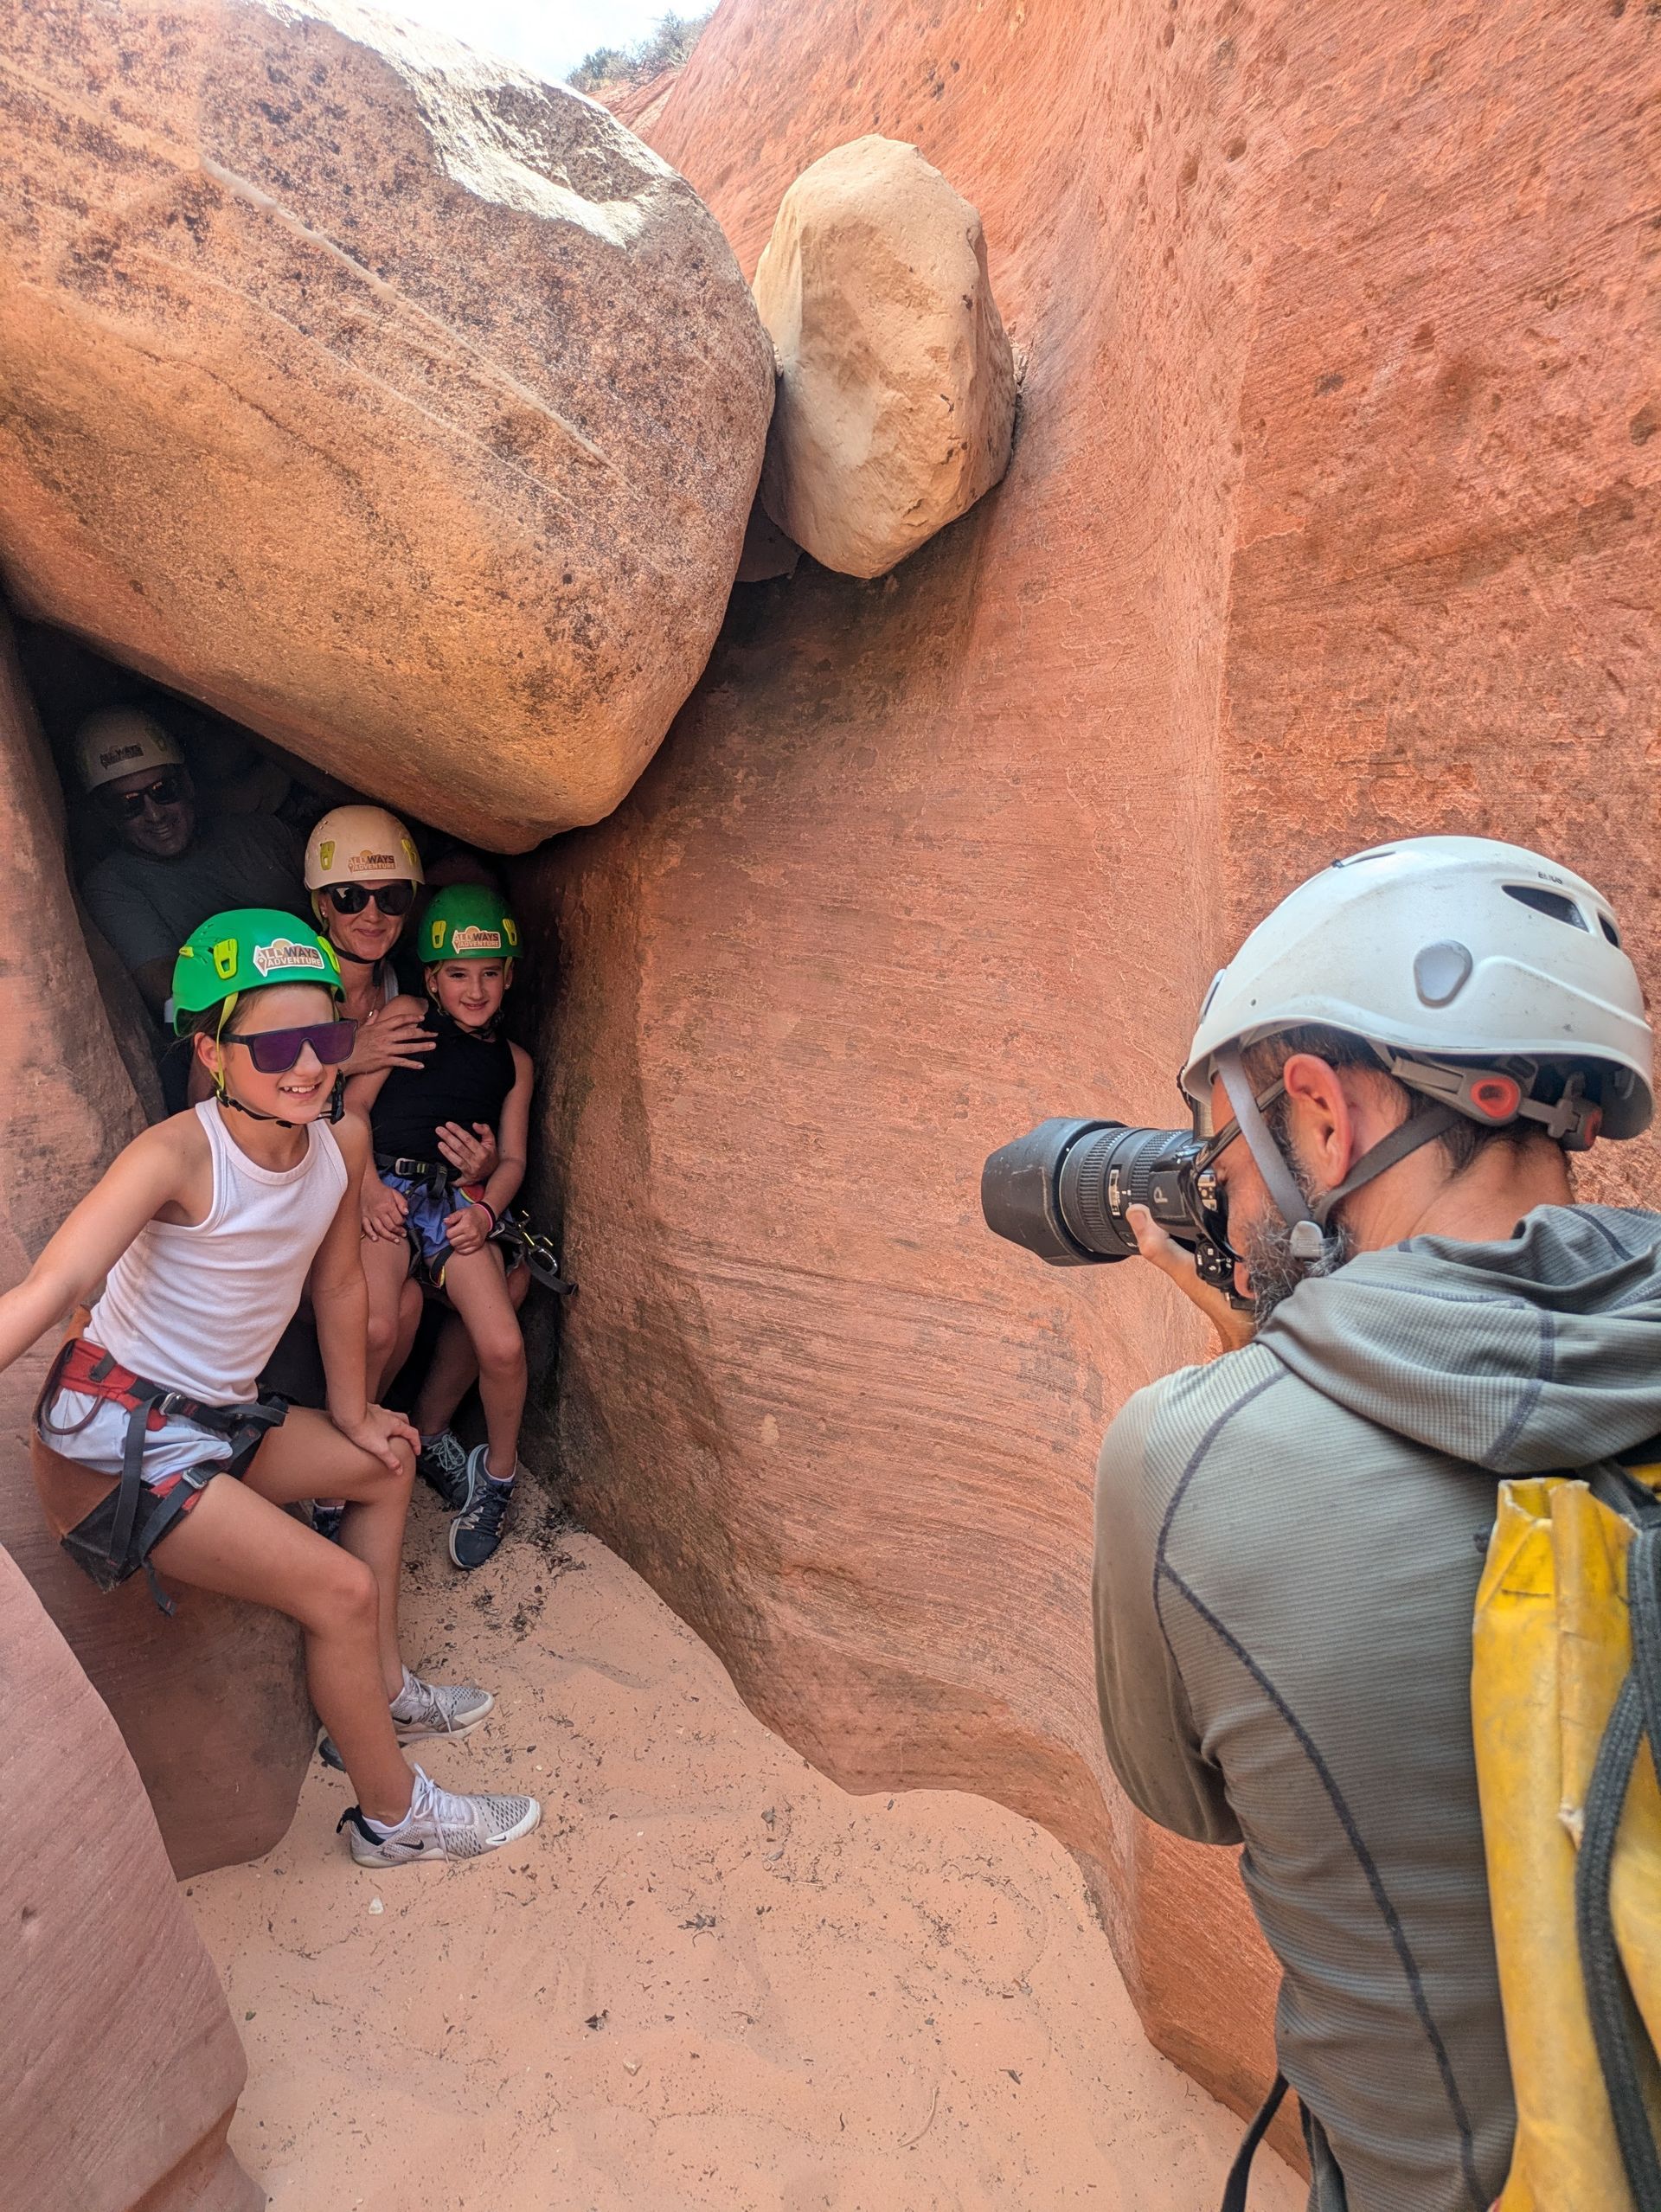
pixel 426 1708
pixel 439 1708
pixel 440 1825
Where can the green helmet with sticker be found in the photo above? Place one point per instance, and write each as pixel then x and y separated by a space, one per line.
pixel 466 922
pixel 248 948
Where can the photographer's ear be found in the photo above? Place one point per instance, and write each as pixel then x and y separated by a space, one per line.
pixel 1323 1127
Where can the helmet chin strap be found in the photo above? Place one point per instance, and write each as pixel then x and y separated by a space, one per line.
pixel 1307 1223
pixel 337 1105
pixel 357 959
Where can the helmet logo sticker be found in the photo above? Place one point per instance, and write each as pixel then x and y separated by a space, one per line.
pixel 120 753
pixel 473 940
pixel 366 863
pixel 283 952
pixel 225 959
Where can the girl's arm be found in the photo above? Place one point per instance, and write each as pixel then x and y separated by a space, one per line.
pixel 340 1305
pixel 512 1138
pixel 154 1170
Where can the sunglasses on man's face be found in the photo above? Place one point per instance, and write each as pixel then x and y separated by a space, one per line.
pixel 273 1052
pixel 352 898
pixel 167 790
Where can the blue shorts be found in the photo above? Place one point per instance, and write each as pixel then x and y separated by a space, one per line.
pixel 429 1209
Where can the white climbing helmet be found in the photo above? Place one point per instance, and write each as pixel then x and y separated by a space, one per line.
pixel 351 844
pixel 1454 956
pixel 120 742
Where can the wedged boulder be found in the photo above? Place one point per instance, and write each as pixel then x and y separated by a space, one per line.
pixel 212 1703
pixel 398 404
pixel 896 384
pixel 1304 545
pixel 122 2066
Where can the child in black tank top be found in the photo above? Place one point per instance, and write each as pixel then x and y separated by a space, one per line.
pixel 419 1214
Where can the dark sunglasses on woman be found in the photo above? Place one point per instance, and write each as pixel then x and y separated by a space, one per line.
pixel 273 1052
pixel 352 898
pixel 167 790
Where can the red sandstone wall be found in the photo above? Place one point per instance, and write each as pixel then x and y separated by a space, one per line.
pixel 926 858
pixel 122 2068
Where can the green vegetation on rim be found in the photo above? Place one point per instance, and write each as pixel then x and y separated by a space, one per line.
pixel 668 45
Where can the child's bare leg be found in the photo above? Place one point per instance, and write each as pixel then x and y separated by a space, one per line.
pixel 237 1542
pixel 409 1322
pixel 454 1368
pixel 309 1451
pixel 476 1284
pixel 386 1270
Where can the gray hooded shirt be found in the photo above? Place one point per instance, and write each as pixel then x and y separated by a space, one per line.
pixel 1288 1544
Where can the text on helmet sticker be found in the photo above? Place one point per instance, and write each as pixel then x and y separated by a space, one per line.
pixel 368 864
pixel 475 939
pixel 107 759
pixel 284 952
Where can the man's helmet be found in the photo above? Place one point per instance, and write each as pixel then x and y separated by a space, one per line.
pixel 248 948
pixel 353 844
pixel 466 921
pixel 1487 978
pixel 119 741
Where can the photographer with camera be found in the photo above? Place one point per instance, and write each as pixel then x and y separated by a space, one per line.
pixel 1375 1208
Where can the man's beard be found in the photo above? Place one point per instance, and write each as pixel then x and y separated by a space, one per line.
pixel 1274 1270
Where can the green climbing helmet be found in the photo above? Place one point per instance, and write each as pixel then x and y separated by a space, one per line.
pixel 466 922
pixel 248 948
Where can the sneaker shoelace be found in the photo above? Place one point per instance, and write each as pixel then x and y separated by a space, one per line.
pixel 446 1452
pixel 486 1511
pixel 451 1814
pixel 430 1701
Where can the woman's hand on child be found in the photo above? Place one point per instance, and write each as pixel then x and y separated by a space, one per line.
pixel 393 1036
pixel 377 1431
pixel 472 1151
pixel 468 1230
pixel 385 1212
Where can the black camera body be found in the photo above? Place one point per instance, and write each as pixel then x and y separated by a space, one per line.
pixel 1063 1191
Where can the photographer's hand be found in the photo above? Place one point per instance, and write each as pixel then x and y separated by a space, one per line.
pixel 1233 1328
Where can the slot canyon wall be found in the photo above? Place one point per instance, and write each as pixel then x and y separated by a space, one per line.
pixel 1331 517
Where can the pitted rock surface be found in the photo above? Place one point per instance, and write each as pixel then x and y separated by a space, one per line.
pixel 402 405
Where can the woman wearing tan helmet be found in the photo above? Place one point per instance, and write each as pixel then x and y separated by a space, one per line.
pixel 362 871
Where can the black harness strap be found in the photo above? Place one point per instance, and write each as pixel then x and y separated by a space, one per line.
pixel 246 1426
pixel 1616 2027
pixel 1240 2174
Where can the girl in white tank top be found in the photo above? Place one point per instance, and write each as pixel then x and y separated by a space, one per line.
pixel 202 1304
pixel 203 1233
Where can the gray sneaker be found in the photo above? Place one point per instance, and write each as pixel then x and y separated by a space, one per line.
pixel 442 1464
pixel 440 1825
pixel 427 1709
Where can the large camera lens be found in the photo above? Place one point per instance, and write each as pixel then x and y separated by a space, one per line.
pixel 1063 1191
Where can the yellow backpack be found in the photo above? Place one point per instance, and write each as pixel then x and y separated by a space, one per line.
pixel 1565 1703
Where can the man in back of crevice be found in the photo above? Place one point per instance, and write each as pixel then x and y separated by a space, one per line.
pixel 1395 1066
pixel 169 871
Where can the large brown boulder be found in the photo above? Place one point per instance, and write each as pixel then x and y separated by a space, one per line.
pixel 122 2068
pixel 213 1702
pixel 1334 515
pixel 398 404
pixel 896 384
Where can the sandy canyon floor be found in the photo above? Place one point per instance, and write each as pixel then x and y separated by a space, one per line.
pixel 711 1979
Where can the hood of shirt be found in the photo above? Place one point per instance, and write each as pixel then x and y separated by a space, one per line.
pixel 1525 1357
